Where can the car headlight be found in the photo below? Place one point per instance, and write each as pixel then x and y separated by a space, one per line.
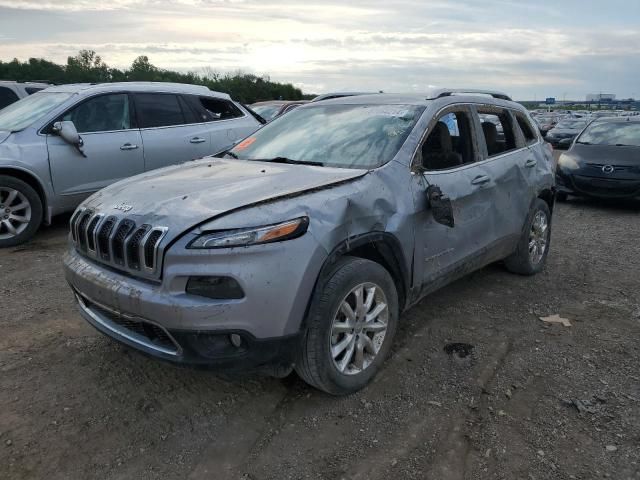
pixel 568 162
pixel 252 236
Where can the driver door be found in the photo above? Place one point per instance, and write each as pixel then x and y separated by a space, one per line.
pixel 448 158
pixel 112 146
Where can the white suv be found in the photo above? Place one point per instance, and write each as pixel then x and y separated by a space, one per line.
pixel 11 92
pixel 62 144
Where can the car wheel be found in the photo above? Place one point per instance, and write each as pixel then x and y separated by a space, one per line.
pixel 533 247
pixel 20 211
pixel 562 196
pixel 350 327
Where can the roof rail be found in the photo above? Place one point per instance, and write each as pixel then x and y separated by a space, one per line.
pixel 447 92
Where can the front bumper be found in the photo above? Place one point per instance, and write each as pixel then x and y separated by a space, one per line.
pixel 576 183
pixel 162 320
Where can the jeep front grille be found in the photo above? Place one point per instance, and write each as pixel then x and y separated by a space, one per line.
pixel 119 243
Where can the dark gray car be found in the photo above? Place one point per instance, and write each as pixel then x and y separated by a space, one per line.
pixel 302 246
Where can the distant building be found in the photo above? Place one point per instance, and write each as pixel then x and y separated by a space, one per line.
pixel 601 97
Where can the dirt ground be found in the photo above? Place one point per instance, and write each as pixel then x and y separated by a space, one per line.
pixel 529 401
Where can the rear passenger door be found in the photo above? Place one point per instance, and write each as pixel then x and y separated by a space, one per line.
pixel 224 121
pixel 505 161
pixel 170 130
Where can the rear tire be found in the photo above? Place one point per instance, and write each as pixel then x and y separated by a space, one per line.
pixel 533 247
pixel 20 211
pixel 344 346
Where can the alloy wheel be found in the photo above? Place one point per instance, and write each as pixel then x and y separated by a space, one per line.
pixel 538 237
pixel 15 212
pixel 358 329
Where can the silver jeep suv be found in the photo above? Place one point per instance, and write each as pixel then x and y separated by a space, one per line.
pixel 300 247
pixel 60 145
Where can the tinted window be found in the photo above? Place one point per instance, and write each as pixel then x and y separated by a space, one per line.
pixel 497 131
pixel 346 136
pixel 101 114
pixel 7 97
pixel 612 133
pixel 32 90
pixel 526 128
pixel 159 110
pixel 218 109
pixel 449 143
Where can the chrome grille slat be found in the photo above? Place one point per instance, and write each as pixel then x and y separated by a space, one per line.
pixel 118 242
pixel 83 220
pixel 92 227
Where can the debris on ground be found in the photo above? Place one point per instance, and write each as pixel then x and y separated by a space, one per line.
pixel 461 350
pixel 556 319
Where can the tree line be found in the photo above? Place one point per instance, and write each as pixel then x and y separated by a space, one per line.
pixel 87 66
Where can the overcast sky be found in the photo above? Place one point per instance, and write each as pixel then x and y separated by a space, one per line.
pixel 528 49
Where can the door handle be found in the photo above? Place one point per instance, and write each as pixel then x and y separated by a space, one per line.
pixel 530 163
pixel 480 179
pixel 128 146
pixel 197 140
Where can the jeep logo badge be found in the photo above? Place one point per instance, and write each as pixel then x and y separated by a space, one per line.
pixel 123 207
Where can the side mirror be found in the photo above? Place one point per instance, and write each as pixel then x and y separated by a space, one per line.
pixel 67 131
pixel 440 205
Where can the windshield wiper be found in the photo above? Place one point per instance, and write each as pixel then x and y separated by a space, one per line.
pixel 226 152
pixel 289 161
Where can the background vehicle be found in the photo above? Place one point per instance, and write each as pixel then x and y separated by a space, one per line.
pixel 604 161
pixel 62 144
pixel 11 92
pixel 563 133
pixel 332 95
pixel 303 248
pixel 546 123
pixel 274 108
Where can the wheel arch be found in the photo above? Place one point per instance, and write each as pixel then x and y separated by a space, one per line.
pixel 31 180
pixel 380 247
pixel 548 195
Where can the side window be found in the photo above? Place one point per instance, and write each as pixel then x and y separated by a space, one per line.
pixel 7 97
pixel 526 128
pixel 101 114
pixel 498 131
pixel 32 90
pixel 218 109
pixel 449 143
pixel 159 110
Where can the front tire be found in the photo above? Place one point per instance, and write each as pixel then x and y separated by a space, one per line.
pixel 533 247
pixel 20 211
pixel 350 327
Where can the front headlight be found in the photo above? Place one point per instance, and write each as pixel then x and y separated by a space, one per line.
pixel 568 162
pixel 252 236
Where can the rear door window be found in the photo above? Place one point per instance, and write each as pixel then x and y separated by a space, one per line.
pixel 498 131
pixel 526 129
pixel 219 109
pixel 159 110
pixel 7 97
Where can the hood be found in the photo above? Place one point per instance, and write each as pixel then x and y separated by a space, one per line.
pixel 4 134
pixel 564 131
pixel 606 155
pixel 183 196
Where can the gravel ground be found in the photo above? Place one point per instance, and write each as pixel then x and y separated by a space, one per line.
pixel 524 399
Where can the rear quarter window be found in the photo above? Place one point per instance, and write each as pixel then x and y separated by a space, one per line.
pixel 527 130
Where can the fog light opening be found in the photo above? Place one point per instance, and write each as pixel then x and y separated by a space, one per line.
pixel 236 340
